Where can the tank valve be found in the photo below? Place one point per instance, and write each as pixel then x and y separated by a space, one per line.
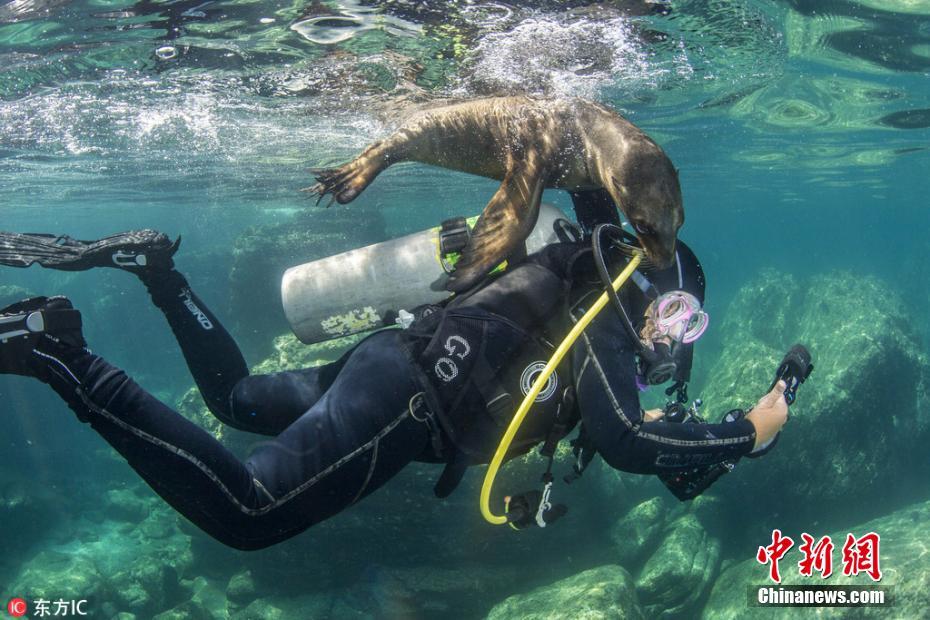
pixel 404 319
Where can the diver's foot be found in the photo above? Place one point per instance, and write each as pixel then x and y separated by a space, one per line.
pixel 137 251
pixel 26 325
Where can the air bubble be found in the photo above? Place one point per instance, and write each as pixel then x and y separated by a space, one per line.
pixel 330 29
pixel 166 52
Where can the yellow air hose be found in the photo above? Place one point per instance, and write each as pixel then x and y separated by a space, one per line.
pixel 541 380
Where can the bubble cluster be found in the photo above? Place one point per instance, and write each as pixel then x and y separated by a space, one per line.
pixel 558 56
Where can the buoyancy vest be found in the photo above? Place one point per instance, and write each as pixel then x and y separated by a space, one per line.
pixel 478 356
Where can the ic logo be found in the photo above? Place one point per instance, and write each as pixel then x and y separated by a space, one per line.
pixel 17 607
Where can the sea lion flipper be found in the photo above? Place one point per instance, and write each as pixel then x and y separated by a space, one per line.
pixel 346 182
pixel 506 222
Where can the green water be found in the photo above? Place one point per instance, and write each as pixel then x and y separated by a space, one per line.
pixel 801 132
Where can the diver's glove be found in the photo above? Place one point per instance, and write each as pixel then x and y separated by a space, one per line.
pixel 528 509
pixel 794 370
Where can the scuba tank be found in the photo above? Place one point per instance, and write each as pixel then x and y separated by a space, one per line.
pixel 374 286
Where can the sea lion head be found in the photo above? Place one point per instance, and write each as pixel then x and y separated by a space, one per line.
pixel 645 187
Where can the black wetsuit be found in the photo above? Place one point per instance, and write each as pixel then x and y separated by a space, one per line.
pixel 338 431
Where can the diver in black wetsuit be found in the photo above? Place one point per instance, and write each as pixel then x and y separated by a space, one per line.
pixel 342 430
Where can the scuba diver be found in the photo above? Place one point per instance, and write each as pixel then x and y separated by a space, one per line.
pixel 439 390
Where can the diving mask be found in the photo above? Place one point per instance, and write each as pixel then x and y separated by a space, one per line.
pixel 677 315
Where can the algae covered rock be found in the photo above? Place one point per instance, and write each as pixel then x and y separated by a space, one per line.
pixel 603 593
pixel 904 562
pixel 116 566
pixel 241 590
pixel 285 608
pixel 189 610
pixel 637 534
pixel 52 575
pixel 681 570
pixel 260 610
pixel 425 591
pixel 289 353
pixel 858 429
pixel 126 505
pixel 145 587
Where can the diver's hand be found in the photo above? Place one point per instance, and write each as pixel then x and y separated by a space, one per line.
pixel 652 415
pixel 769 414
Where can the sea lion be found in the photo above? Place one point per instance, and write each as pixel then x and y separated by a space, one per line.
pixel 529 144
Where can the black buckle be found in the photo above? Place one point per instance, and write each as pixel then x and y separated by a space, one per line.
pixel 453 236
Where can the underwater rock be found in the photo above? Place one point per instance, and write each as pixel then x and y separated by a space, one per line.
pixel 241 589
pixel 206 602
pixel 112 564
pixel 285 608
pixel 10 293
pixel 145 587
pixel 849 445
pixel 605 592
pixel 159 524
pixel 680 572
pixel 260 610
pixel 290 354
pixel 52 575
pixel 904 562
pixel 637 534
pixel 131 595
pixel 392 592
pixel 711 513
pixel 262 254
pixel 124 504
pixel 189 610
pixel 192 406
pixel 208 595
